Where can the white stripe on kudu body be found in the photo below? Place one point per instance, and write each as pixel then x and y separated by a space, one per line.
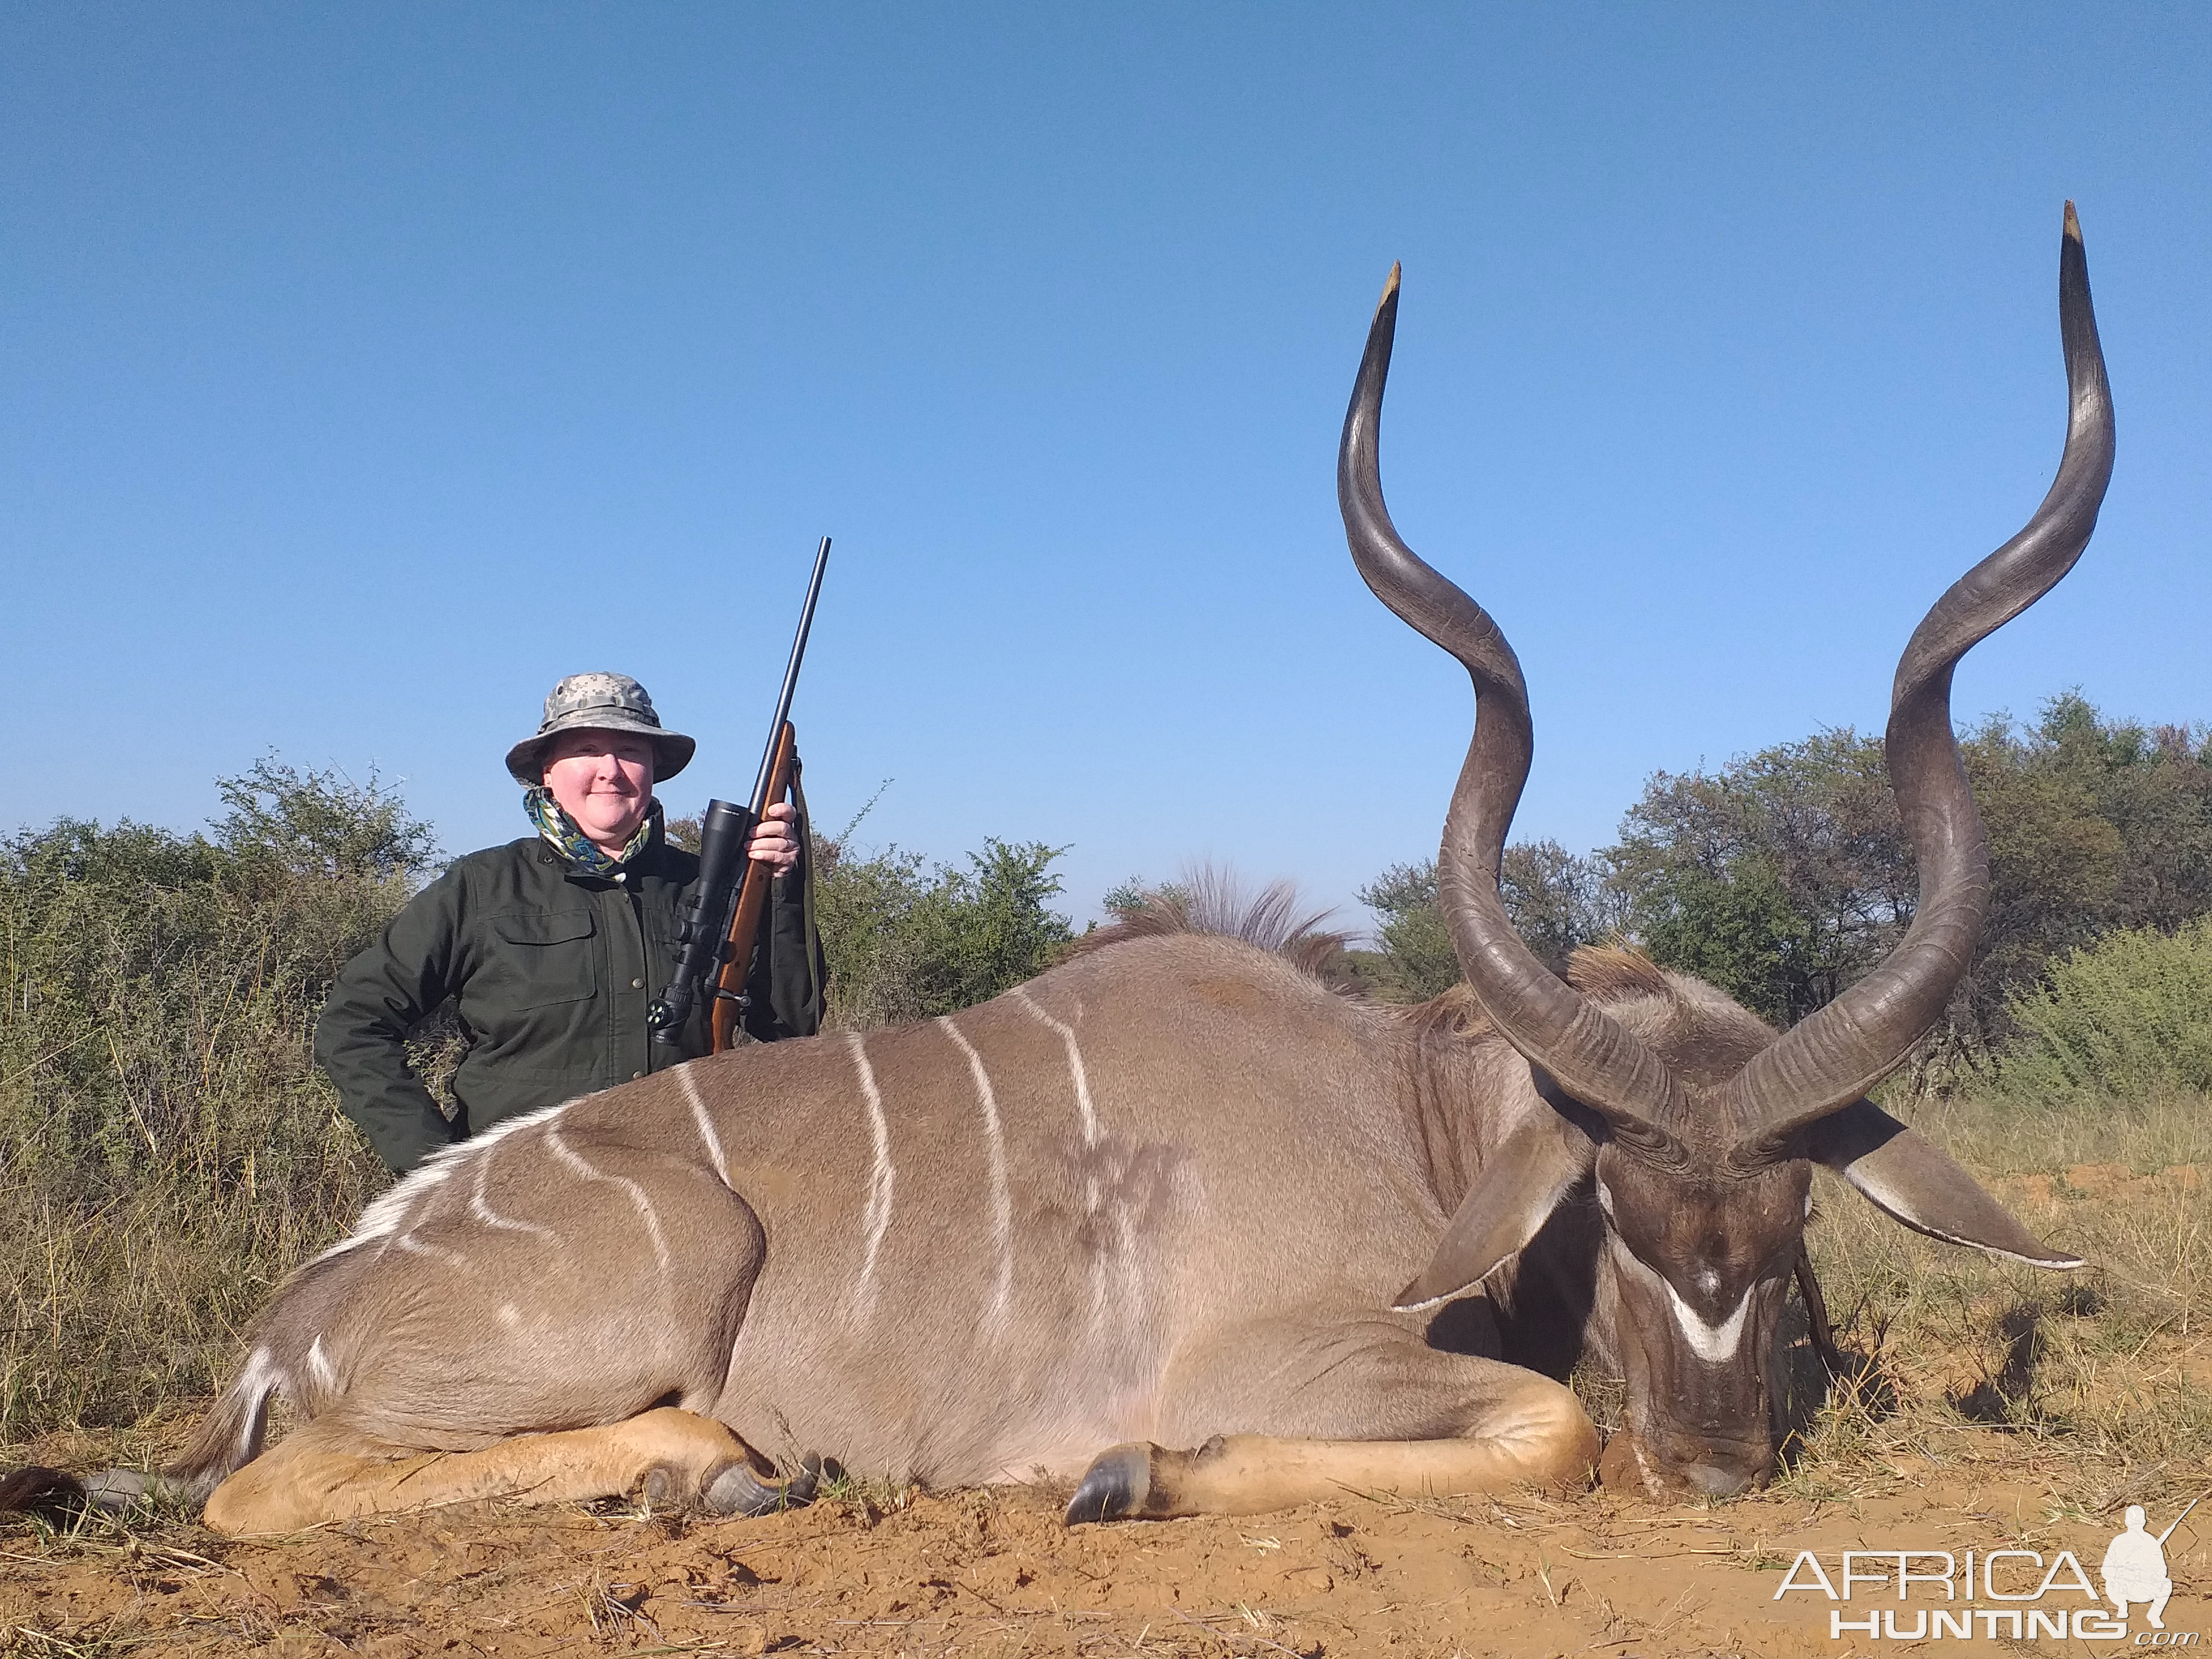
pixel 994 1147
pixel 480 1207
pixel 1124 1233
pixel 381 1219
pixel 585 1168
pixel 877 1220
pixel 1083 1107
pixel 705 1124
pixel 414 1246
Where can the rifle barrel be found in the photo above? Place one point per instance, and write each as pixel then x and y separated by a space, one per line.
pixel 790 683
pixel 711 917
pixel 2178 1519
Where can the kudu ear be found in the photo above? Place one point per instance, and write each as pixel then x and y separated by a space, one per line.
pixel 1905 1177
pixel 1520 1184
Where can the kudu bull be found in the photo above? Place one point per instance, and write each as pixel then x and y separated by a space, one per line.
pixel 1174 1193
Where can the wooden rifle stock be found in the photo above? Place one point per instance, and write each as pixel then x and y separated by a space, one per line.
pixel 752 901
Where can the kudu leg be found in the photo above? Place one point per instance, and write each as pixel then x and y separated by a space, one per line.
pixel 1366 1407
pixel 326 1472
pixel 604 1285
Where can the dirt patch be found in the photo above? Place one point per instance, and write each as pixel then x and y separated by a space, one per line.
pixel 996 1573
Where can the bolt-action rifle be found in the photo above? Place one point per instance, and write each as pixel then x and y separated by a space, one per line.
pixel 721 924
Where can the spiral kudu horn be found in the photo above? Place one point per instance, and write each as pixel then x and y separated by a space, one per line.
pixel 1594 1059
pixel 1834 1055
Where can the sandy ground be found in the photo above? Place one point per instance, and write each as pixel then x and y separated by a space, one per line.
pixel 995 1573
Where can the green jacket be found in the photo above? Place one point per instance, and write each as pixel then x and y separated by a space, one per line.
pixel 550 972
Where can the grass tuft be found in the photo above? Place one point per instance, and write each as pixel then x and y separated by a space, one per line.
pixel 2101 1377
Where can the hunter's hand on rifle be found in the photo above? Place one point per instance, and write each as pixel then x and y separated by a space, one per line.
pixel 775 842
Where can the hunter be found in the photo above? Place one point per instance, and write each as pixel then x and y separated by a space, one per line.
pixel 552 946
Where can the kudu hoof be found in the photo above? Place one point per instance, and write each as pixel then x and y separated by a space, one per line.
pixel 738 1491
pixel 1115 1487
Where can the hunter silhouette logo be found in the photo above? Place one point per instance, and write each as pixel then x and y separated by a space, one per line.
pixel 2012 1593
pixel 2134 1566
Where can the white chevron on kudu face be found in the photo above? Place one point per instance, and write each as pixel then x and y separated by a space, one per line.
pixel 1714 1344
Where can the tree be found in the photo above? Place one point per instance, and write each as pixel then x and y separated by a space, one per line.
pixel 1133 894
pixel 1557 900
pixel 321 824
pixel 1781 878
pixel 907 942
pixel 1786 875
pixel 1418 959
pixel 2093 825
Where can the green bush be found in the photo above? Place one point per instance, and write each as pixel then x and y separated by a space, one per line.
pixel 905 942
pixel 1417 961
pixel 2129 1016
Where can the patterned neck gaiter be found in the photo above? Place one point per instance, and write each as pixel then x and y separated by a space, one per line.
pixel 561 832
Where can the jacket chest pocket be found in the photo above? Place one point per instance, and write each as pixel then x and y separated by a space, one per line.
pixel 544 960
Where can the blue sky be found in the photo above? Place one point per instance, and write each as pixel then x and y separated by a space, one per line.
pixel 368 367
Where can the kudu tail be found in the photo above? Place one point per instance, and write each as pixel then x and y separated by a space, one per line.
pixel 227 1439
pixel 39 1491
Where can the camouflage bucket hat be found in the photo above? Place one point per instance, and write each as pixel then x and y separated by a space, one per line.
pixel 600 702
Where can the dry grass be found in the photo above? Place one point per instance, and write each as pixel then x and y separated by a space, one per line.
pixel 166 1151
pixel 2098 1381
pixel 119 1309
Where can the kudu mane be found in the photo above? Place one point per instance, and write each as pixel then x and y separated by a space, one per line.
pixel 1609 975
pixel 1209 900
pixel 1702 1032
